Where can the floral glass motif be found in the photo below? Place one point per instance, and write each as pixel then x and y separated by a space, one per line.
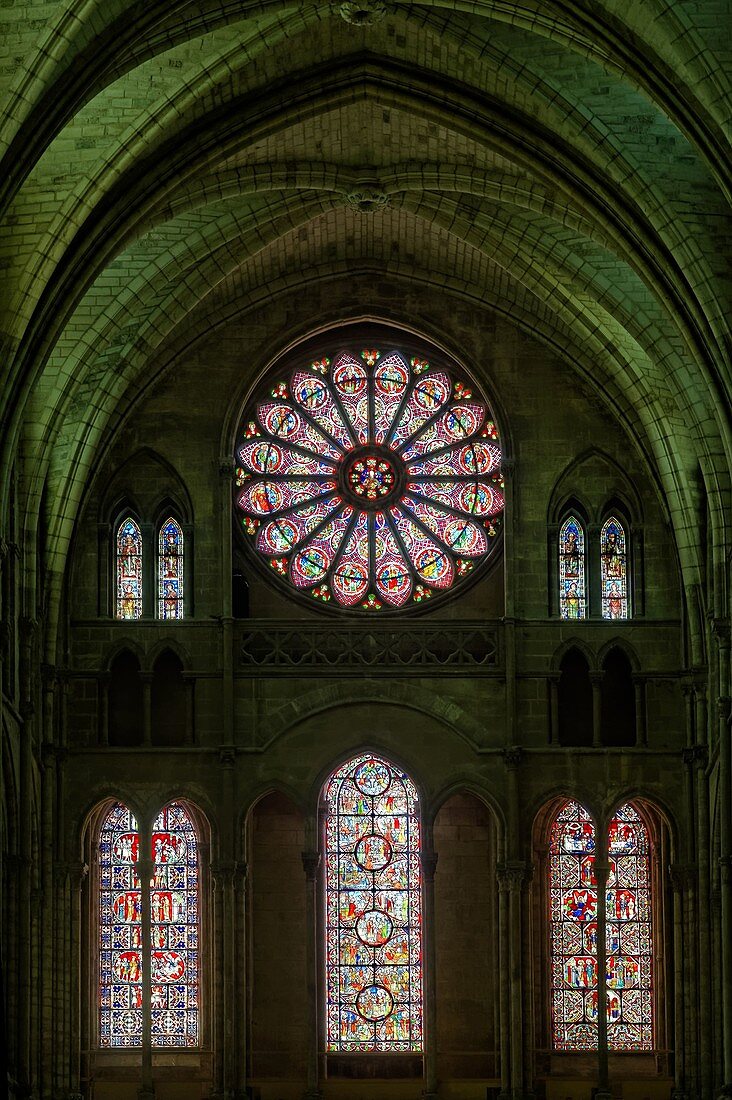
pixel 372 480
pixel 573 916
pixel 173 898
pixel 614 570
pixel 170 570
pixel 129 570
pixel 373 909
pixel 572 598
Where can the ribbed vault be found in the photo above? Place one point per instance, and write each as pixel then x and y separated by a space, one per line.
pixel 170 166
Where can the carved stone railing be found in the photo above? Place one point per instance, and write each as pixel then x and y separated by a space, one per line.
pixel 418 650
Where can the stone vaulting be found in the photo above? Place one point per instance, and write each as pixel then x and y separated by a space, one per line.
pixel 537 191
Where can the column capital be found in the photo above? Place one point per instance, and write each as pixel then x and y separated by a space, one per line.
pixel 513 875
pixel 227 756
pixel 226 871
pixel 512 757
pixel 75 870
pixel 310 863
pixel 696 755
pixel 682 876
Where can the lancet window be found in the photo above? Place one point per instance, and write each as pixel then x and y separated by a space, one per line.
pixel 373 909
pixel 170 570
pixel 172 897
pixel 614 570
pixel 573 904
pixel 128 570
pixel 572 585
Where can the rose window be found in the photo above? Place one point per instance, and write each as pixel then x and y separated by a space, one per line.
pixel 371 480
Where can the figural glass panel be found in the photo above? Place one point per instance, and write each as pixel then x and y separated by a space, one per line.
pixel 573 920
pixel 371 480
pixel 170 570
pixel 614 570
pixel 373 909
pixel 173 899
pixel 572 597
pixel 128 560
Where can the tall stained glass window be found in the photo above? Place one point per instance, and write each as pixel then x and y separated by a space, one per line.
pixel 572 598
pixel 614 570
pixel 373 909
pixel 170 570
pixel 128 569
pixel 173 900
pixel 371 480
pixel 573 917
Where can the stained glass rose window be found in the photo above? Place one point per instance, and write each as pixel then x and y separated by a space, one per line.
pixel 370 480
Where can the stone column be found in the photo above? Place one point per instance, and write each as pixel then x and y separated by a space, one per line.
pixel 145 869
pixel 225 876
pixel 311 863
pixel 71 879
pixel 429 974
pixel 512 876
pixel 679 876
pixel 641 732
pixel 218 1023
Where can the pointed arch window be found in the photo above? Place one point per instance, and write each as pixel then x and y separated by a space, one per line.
pixel 614 570
pixel 173 900
pixel 573 905
pixel 170 570
pixel 128 570
pixel 572 584
pixel 373 909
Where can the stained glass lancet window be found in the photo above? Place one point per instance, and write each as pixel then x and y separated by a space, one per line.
pixel 629 934
pixel 373 909
pixel 572 598
pixel 128 568
pixel 173 899
pixel 573 917
pixel 614 570
pixel 120 943
pixel 170 570
pixel 174 917
pixel 372 480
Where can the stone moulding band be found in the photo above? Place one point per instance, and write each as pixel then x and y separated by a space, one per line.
pixel 389 650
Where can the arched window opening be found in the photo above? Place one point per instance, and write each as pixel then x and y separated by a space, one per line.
pixel 169 701
pixel 126 701
pixel 128 570
pixel 573 905
pixel 629 934
pixel 575 701
pixel 173 900
pixel 573 917
pixel 618 700
pixel 170 570
pixel 373 909
pixel 614 570
pixel 572 583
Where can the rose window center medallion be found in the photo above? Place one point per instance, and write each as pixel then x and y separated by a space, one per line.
pixel 370 480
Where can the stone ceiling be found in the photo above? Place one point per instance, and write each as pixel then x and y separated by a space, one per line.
pixel 564 163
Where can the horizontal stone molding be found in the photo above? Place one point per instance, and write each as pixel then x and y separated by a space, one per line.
pixel 416 649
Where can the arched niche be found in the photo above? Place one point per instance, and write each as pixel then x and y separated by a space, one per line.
pixel 276 946
pixel 466 939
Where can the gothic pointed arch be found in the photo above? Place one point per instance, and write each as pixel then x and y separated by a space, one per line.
pixel 373 909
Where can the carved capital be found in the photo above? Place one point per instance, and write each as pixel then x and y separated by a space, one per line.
pixel 696 756
pixel 227 468
pixel 724 707
pixel 74 870
pixel 310 863
pixel 682 876
pixel 512 757
pixel 227 756
pixel 224 873
pixel 513 875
